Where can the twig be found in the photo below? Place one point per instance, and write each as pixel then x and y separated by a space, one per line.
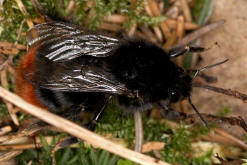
pixel 187 25
pixel 142 35
pixel 155 11
pixel 180 34
pixel 200 32
pixel 9 106
pixel 180 28
pixel 24 12
pixel 156 29
pixel 71 6
pixel 15 147
pixel 10 139
pixel 4 64
pixel 173 11
pixel 110 27
pixel 132 30
pixel 171 40
pixel 174 115
pixel 11 70
pixel 11 45
pixel 148 33
pixel 30 162
pixel 228 92
pixel 116 18
pixel 78 131
pixel 154 7
pixel 8 155
pixel 150 146
pixel 5 130
pixel 138 131
pixel 223 137
pixel 158 33
pixel 186 10
pixel 19 32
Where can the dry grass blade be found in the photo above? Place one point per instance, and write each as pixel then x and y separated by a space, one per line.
pixel 78 131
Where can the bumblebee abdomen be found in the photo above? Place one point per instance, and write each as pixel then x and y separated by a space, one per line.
pixel 25 72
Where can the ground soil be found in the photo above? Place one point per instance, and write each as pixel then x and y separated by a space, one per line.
pixel 232 38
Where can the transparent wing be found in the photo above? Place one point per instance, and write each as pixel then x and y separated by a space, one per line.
pixel 78 78
pixel 59 41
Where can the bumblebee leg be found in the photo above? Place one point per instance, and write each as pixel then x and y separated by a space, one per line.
pixel 180 50
pixel 91 126
pixel 98 115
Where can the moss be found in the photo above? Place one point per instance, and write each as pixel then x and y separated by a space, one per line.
pixel 121 125
pixel 84 155
pixel 3 110
pixel 178 147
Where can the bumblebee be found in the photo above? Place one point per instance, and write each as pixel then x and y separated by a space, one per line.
pixel 68 69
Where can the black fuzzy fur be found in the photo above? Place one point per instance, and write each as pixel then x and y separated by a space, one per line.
pixel 146 68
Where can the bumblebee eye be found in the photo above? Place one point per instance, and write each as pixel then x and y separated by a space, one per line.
pixel 173 93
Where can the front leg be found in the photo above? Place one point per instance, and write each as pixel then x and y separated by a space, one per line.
pixel 181 50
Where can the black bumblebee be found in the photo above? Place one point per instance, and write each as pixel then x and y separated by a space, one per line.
pixel 68 68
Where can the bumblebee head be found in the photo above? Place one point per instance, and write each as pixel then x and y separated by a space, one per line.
pixel 180 88
pixel 144 67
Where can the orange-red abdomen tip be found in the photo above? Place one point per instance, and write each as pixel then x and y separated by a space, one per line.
pixel 25 73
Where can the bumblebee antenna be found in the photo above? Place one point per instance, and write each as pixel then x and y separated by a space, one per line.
pixel 198 113
pixel 208 67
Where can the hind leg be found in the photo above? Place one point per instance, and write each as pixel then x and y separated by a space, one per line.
pixel 91 126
